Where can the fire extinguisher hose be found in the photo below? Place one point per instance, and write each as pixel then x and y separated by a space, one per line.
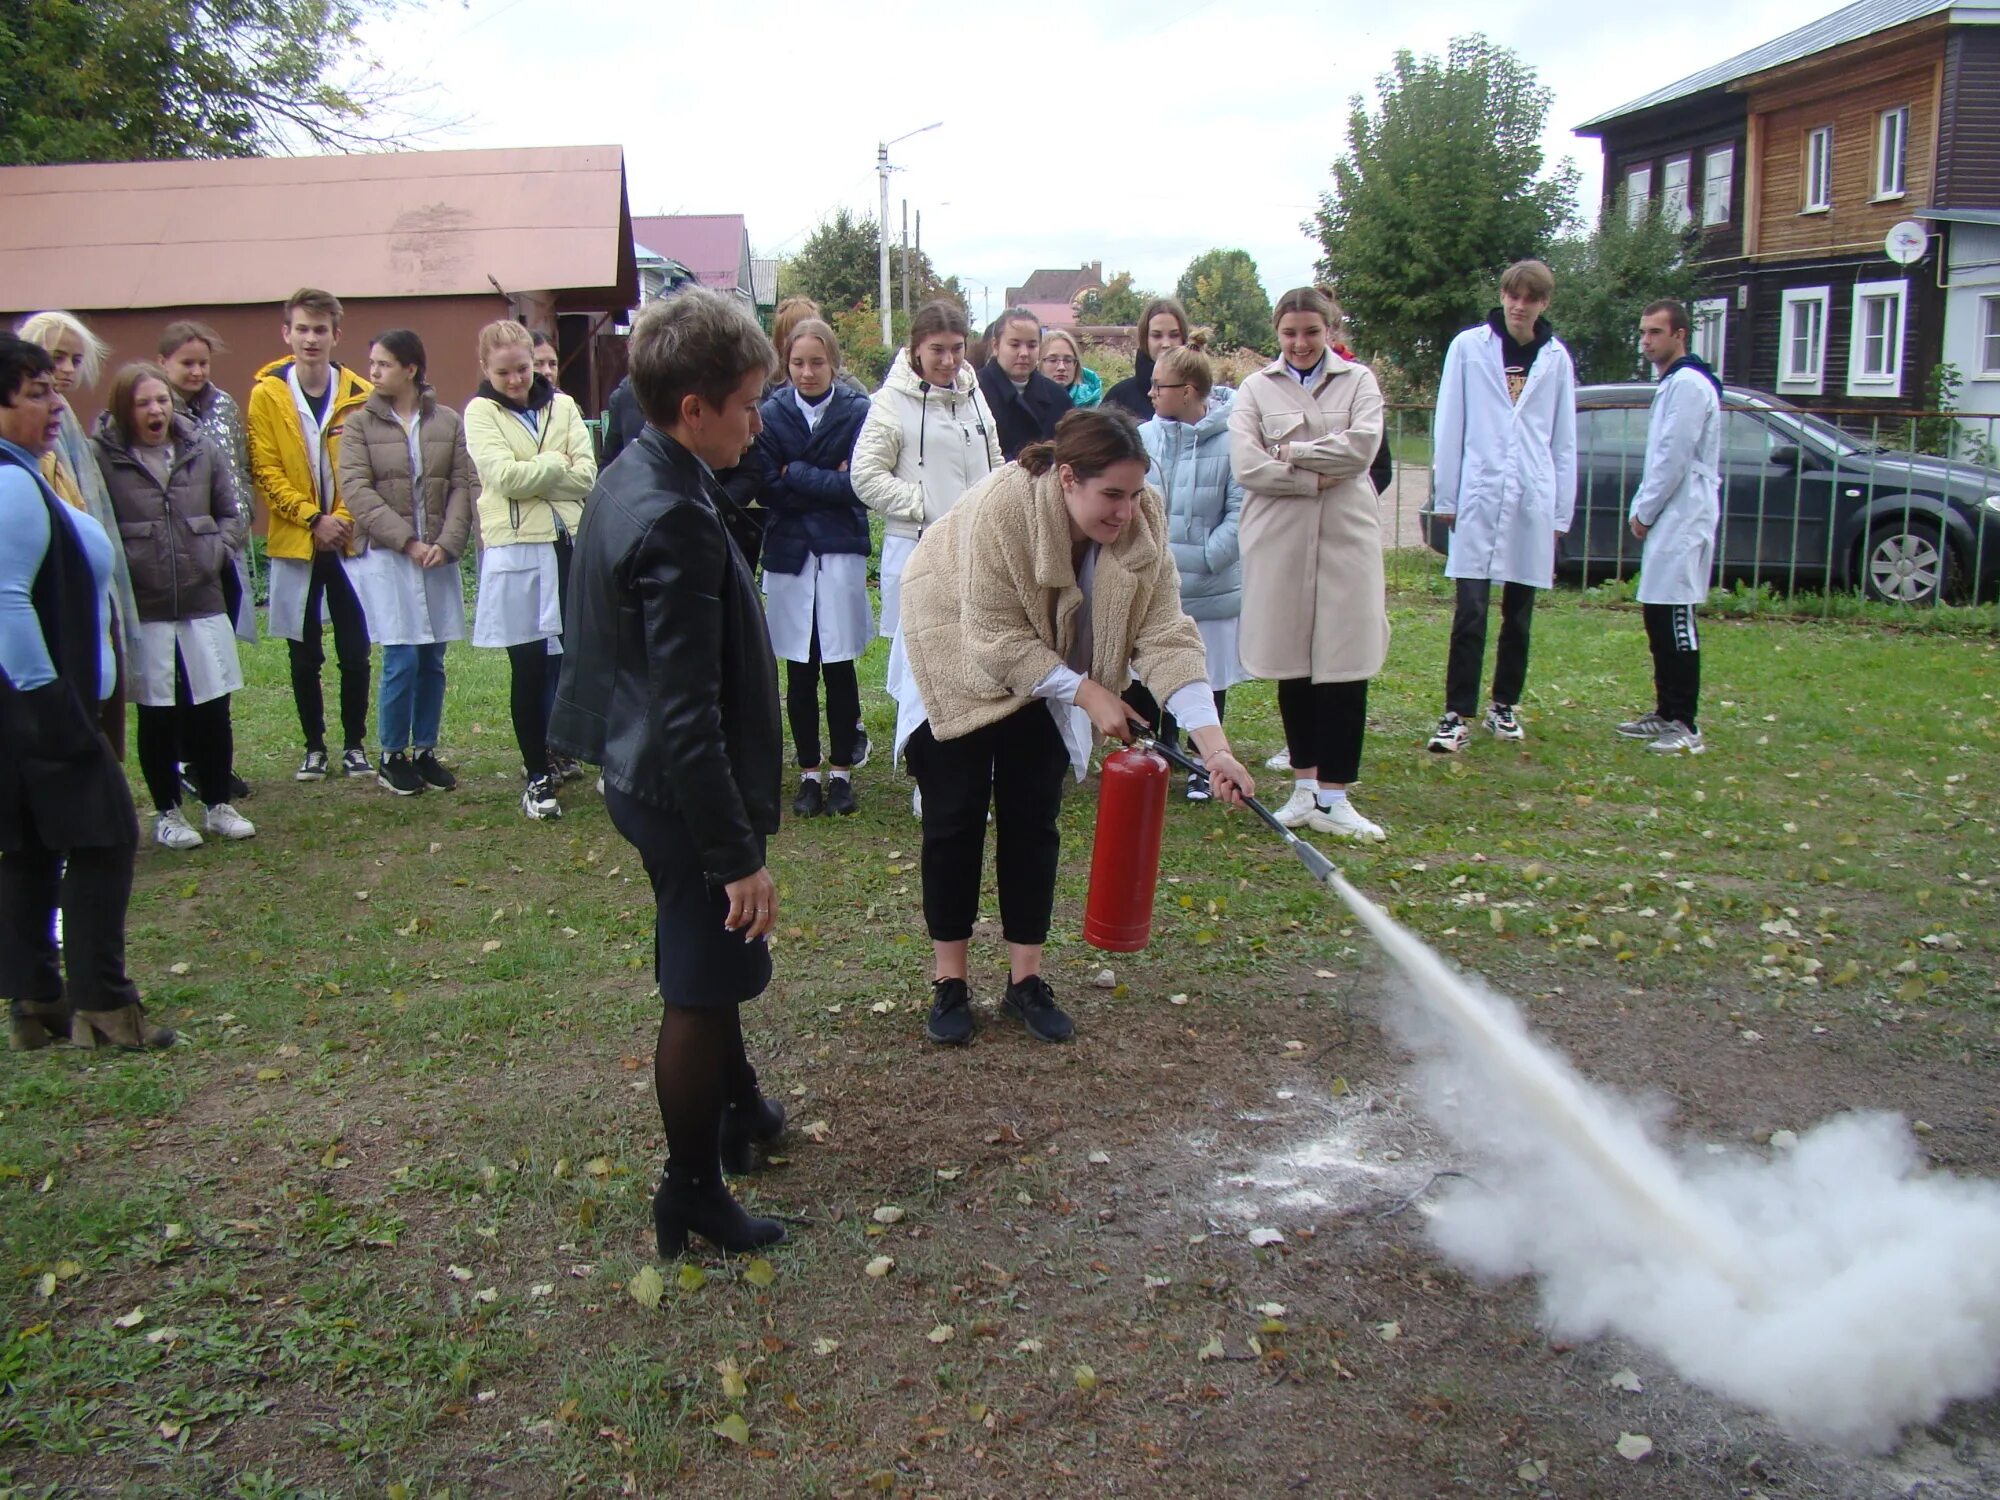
pixel 1317 864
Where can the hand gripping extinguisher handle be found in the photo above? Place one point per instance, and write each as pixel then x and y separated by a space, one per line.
pixel 1317 864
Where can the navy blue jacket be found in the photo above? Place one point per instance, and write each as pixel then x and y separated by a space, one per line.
pixel 1022 418
pixel 812 507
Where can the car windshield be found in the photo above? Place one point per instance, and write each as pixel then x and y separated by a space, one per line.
pixel 1791 422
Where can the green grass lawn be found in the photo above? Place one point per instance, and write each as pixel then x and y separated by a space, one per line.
pixel 377 1228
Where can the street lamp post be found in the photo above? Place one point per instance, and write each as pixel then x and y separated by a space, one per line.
pixel 882 170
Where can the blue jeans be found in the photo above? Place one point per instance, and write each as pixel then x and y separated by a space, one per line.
pixel 412 696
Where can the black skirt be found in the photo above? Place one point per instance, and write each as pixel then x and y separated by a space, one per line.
pixel 698 963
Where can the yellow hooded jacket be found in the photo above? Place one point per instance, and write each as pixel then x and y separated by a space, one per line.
pixel 281 464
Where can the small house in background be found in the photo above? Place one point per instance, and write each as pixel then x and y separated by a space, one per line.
pixel 764 286
pixel 1838 175
pixel 1052 295
pixel 437 241
pixel 716 247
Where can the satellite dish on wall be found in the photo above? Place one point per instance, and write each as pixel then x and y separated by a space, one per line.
pixel 1906 243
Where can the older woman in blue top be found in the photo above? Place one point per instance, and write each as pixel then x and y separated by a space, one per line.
pixel 67 825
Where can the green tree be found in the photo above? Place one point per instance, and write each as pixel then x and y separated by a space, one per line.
pixel 1604 281
pixel 839 267
pixel 1116 305
pixel 136 80
pixel 1221 291
pixel 1440 189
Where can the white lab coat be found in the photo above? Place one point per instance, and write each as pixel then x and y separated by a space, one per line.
pixel 1505 468
pixel 1680 494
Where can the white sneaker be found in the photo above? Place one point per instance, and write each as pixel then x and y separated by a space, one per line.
pixel 171 831
pixel 1678 739
pixel 1298 812
pixel 1450 737
pixel 1282 761
pixel 225 822
pixel 539 800
pixel 1342 821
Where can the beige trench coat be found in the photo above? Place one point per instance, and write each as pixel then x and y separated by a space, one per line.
pixel 1314 600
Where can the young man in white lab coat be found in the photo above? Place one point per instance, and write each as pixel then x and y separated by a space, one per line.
pixel 1505 483
pixel 1674 513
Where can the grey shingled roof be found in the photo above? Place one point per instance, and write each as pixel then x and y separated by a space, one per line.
pixel 1849 24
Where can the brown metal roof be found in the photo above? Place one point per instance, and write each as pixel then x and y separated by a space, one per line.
pixel 403 224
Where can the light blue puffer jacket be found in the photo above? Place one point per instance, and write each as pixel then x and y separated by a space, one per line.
pixel 1191 471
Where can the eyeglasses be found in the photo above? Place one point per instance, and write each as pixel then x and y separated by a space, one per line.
pixel 1156 386
pixel 1057 359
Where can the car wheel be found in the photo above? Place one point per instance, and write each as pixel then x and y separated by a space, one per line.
pixel 1904 562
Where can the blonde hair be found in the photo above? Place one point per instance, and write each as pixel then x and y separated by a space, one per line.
pixel 48 328
pixel 1075 348
pixel 810 328
pixel 1188 364
pixel 503 335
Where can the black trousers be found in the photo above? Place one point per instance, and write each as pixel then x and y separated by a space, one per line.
pixel 1017 766
pixel 1468 645
pixel 843 705
pixel 198 733
pixel 329 587
pixel 92 887
pixel 1670 631
pixel 1324 723
pixel 532 676
pixel 1141 701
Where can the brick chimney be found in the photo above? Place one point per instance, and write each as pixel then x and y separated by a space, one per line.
pixel 1097 271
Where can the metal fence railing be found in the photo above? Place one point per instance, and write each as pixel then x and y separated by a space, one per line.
pixel 1818 507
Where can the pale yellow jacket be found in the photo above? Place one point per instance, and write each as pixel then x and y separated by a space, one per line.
pixel 528 483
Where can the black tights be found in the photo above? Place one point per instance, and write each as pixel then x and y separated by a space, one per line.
pixel 699 1068
pixel 843 706
pixel 197 733
pixel 532 672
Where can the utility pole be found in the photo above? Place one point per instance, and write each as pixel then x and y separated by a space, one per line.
pixel 906 257
pixel 882 170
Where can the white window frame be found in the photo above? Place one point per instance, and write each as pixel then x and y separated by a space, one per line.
pixel 1812 383
pixel 1892 153
pixel 1989 336
pixel 1710 216
pixel 1675 206
pixel 1709 338
pixel 1638 202
pixel 1818 170
pixel 1887 381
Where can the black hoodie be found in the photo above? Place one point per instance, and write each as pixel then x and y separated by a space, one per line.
pixel 1699 366
pixel 1133 392
pixel 1518 360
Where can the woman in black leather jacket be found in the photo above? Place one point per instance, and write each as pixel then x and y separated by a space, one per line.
pixel 669 684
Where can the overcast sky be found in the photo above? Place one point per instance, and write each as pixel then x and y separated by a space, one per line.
pixel 1073 130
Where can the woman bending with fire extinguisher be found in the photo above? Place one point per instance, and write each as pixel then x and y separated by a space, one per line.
pixel 1025 611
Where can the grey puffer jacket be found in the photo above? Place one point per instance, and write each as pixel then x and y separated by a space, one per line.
pixel 389 511
pixel 178 536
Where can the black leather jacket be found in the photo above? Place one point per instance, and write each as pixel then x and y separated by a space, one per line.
pixel 668 681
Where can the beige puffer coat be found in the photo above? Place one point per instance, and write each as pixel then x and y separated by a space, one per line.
pixel 1315 602
pixel 375 476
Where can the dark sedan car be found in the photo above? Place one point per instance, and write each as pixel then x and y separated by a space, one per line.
pixel 1803 502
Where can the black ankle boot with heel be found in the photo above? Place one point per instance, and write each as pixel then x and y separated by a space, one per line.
pixel 687 1205
pixel 746 1127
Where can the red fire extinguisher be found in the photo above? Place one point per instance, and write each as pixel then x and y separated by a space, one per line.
pixel 1125 862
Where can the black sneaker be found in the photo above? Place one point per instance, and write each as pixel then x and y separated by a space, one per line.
pixel 840 796
pixel 1035 1003
pixel 354 762
pixel 811 800
pixel 312 768
pixel 1198 789
pixel 863 747
pixel 398 775
pixel 564 769
pixel 950 1020
pixel 239 789
pixel 434 775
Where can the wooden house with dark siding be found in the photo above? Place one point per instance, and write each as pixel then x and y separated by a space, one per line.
pixel 1797 159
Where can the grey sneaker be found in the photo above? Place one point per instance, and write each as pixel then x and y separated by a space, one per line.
pixel 312 768
pixel 1648 726
pixel 1678 739
pixel 354 762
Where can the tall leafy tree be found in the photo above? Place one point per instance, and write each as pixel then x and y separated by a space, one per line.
pixel 1116 305
pixel 130 80
pixel 1604 281
pixel 1221 290
pixel 1441 187
pixel 839 267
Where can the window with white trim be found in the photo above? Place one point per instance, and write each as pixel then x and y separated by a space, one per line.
pixel 1802 341
pixel 1710 335
pixel 1638 192
pixel 1892 150
pixel 1989 335
pixel 1674 173
pixel 1718 185
pixel 1875 339
pixel 1819 169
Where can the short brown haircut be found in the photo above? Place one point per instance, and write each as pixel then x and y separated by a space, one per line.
pixel 696 343
pixel 312 299
pixel 1186 364
pixel 1090 440
pixel 937 317
pixel 810 328
pixel 187 331
pixel 1310 299
pixel 1168 305
pixel 1529 278
pixel 1677 313
pixel 125 390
